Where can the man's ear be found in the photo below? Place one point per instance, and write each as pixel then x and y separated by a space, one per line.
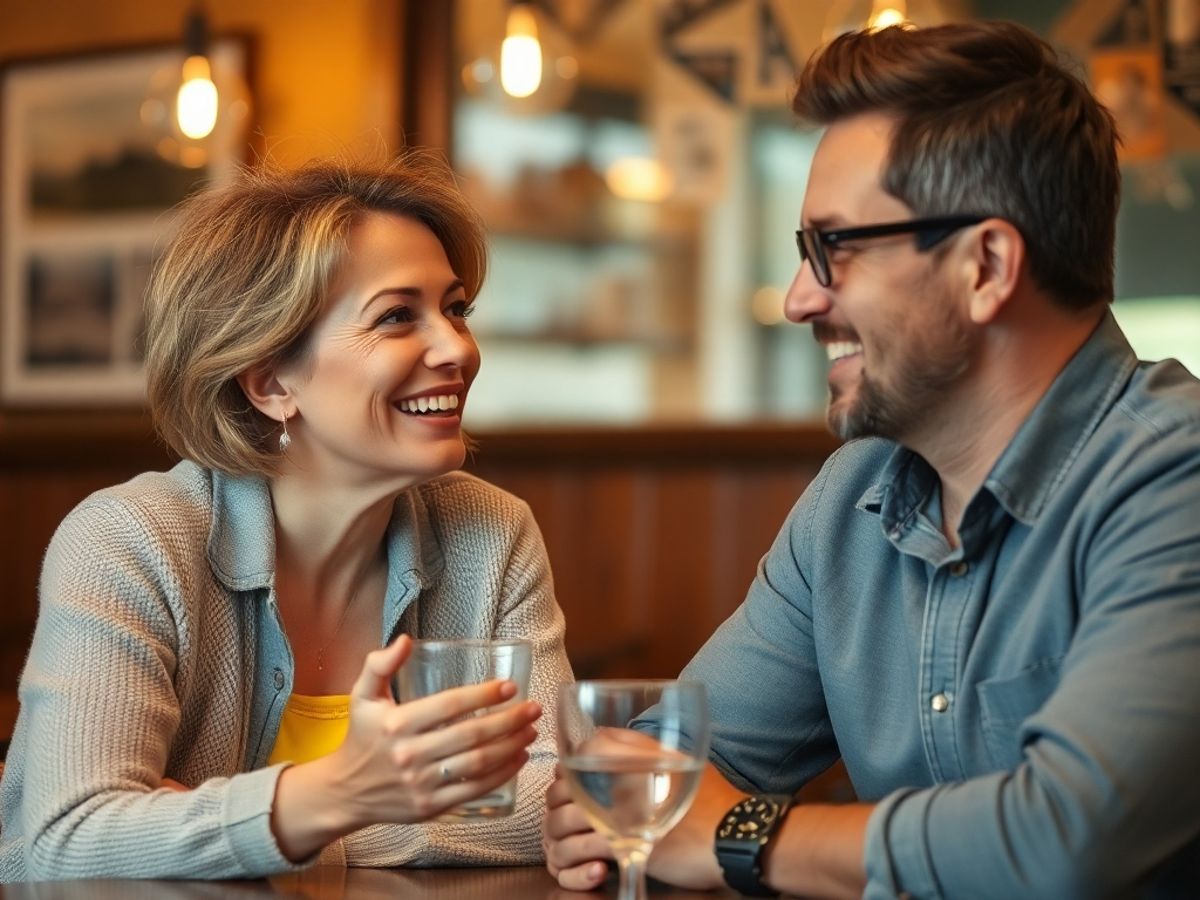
pixel 262 388
pixel 996 256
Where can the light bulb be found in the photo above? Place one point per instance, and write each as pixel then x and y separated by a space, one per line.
pixel 853 15
pixel 197 105
pixel 520 54
pixel 522 60
pixel 197 101
pixel 885 15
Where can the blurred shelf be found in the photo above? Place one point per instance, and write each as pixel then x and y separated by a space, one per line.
pixel 583 235
pixel 587 339
pixel 562 215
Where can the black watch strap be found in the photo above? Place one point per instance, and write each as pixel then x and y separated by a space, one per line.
pixel 742 837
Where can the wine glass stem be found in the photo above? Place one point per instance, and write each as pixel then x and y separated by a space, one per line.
pixel 632 863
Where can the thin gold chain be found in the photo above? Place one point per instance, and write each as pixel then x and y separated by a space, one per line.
pixel 337 629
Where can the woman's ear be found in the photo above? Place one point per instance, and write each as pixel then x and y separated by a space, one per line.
pixel 997 255
pixel 262 388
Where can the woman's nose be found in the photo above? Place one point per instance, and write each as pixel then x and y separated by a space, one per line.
pixel 450 344
pixel 806 299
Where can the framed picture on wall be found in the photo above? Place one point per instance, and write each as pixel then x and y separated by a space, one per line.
pixel 93 160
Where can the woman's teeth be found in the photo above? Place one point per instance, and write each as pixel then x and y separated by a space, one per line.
pixel 437 403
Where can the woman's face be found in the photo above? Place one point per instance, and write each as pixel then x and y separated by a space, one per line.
pixel 380 393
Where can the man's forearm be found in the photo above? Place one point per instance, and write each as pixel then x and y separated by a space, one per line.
pixel 818 852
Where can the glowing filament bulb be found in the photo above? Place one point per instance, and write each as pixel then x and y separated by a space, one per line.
pixel 886 13
pixel 196 104
pixel 520 54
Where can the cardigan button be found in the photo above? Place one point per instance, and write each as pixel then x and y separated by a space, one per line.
pixel 279 679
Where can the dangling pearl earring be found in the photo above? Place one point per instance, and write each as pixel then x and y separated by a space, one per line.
pixel 285 439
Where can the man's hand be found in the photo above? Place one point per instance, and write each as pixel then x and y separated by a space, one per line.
pixel 685 856
pixel 575 853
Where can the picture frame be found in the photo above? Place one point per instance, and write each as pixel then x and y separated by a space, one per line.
pixel 91 169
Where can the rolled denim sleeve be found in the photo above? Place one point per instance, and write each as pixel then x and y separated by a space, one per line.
pixel 883 850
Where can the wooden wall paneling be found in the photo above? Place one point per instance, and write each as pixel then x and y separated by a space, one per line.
pixel 684 567
pixel 602 590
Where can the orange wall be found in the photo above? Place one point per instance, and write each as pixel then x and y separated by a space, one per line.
pixel 326 72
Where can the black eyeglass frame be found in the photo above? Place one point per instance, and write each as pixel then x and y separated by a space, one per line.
pixel 811 242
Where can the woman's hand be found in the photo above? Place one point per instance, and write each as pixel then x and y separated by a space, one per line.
pixel 402 762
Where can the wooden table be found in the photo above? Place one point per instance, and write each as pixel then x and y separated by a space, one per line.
pixel 335 883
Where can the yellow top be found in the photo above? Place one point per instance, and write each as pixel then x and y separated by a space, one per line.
pixel 311 727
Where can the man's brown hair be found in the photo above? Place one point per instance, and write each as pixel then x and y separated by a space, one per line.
pixel 988 120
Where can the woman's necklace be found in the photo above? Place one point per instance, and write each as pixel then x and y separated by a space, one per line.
pixel 337 629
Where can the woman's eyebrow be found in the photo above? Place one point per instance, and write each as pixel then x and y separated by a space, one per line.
pixel 414 292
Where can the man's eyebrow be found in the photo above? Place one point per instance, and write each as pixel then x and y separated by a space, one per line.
pixel 823 223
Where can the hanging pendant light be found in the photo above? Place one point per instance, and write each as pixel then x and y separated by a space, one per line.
pixel 197 100
pixel 854 15
pixel 530 68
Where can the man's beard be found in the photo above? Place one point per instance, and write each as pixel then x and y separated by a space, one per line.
pixel 923 376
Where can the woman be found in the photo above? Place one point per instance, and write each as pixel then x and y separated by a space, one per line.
pixel 204 697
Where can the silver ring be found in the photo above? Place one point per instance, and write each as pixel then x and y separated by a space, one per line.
pixel 445 770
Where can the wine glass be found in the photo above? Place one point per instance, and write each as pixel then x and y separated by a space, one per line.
pixel 632 753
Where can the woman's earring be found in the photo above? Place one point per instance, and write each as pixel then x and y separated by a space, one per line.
pixel 285 439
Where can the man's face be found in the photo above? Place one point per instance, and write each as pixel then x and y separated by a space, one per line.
pixel 897 336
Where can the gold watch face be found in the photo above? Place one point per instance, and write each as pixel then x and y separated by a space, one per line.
pixel 750 820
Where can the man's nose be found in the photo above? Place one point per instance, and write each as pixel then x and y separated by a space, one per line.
pixel 806 299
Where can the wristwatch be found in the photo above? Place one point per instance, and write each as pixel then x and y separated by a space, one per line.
pixel 742 836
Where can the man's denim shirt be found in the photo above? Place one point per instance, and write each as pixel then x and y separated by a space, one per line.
pixel 1025 709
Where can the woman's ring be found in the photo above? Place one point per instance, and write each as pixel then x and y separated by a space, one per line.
pixel 445 770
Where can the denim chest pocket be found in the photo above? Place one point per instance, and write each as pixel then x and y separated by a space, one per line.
pixel 1007 702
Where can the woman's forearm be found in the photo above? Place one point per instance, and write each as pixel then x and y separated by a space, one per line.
pixel 309 811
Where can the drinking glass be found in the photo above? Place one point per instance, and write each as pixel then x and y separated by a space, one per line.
pixel 438 665
pixel 632 753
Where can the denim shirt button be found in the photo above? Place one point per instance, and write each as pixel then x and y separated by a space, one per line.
pixel 939 703
pixel 278 679
pixel 959 569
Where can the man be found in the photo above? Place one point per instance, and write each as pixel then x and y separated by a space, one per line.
pixel 988 602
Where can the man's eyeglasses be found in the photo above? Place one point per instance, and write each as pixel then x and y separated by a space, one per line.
pixel 930 232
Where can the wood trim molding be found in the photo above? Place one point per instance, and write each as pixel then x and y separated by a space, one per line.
pixel 427 75
pixel 128 439
pixel 84 439
pixel 691 443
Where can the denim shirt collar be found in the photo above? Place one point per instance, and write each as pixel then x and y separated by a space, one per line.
pixel 1041 452
pixel 1051 438
pixel 241 542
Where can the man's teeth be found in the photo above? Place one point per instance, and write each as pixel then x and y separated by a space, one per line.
pixel 438 403
pixel 838 349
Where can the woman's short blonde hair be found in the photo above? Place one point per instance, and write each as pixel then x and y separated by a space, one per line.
pixel 246 276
